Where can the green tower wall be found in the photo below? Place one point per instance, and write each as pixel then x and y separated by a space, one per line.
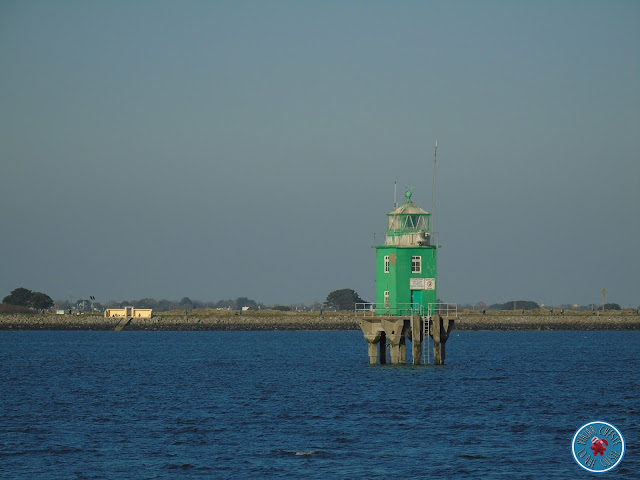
pixel 397 281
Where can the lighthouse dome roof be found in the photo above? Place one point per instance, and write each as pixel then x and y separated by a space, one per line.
pixel 408 208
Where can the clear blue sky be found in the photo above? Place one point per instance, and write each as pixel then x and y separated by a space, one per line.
pixel 218 149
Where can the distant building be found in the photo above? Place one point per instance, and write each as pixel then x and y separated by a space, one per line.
pixel 129 312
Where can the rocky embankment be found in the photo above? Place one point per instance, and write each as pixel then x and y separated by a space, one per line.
pixel 547 322
pixel 308 321
pixel 231 321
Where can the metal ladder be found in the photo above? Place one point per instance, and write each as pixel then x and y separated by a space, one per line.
pixel 426 356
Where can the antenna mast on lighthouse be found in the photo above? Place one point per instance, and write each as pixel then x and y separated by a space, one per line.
pixel 433 190
pixel 395 202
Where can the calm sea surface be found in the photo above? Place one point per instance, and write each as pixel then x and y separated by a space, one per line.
pixel 249 405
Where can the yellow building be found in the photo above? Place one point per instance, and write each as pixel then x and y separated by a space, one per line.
pixel 129 312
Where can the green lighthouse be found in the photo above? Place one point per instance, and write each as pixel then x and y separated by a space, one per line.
pixel 406 278
pixel 406 305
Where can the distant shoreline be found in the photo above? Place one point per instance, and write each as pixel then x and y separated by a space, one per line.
pixel 235 321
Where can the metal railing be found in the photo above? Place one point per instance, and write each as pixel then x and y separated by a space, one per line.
pixel 414 239
pixel 443 309
pixel 405 309
pixel 392 309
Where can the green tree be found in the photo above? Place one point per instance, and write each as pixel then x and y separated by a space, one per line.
pixel 19 296
pixel 24 297
pixel 245 302
pixel 186 302
pixel 343 299
pixel 146 303
pixel 228 303
pixel 163 305
pixel 40 300
pixel 612 306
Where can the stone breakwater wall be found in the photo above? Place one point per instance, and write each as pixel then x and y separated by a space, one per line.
pixel 346 321
pixel 56 322
pixel 292 321
pixel 548 322
pixel 246 322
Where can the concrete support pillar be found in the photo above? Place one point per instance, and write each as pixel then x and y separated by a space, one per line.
pixel 373 353
pixel 434 330
pixel 393 331
pixel 373 339
pixel 438 353
pixel 395 352
pixel 440 330
pixel 416 338
pixel 377 330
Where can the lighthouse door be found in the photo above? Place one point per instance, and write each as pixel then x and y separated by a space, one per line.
pixel 416 300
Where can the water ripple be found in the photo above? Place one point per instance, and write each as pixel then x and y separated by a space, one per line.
pixel 244 405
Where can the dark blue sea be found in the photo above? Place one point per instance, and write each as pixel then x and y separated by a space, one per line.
pixel 301 405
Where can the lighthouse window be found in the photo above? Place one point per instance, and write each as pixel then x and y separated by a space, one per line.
pixel 386 299
pixel 386 264
pixel 416 264
pixel 409 222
